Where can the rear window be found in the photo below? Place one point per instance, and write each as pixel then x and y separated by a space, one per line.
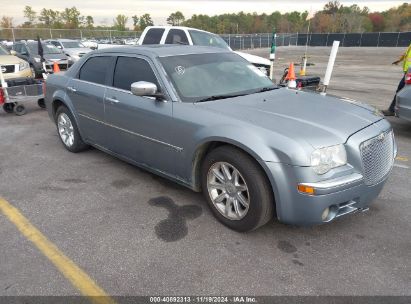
pixel 129 70
pixel 175 36
pixel 95 70
pixel 153 36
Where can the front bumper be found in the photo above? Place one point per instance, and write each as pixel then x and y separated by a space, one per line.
pixel 63 65
pixel 343 190
pixel 343 195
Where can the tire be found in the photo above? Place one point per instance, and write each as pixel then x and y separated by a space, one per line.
pixel 41 103
pixel 8 107
pixel 68 131
pixel 259 194
pixel 19 110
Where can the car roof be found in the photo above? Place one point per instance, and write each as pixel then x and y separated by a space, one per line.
pixel 163 50
pixel 178 28
pixel 62 40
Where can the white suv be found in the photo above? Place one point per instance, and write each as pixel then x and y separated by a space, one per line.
pixel 192 36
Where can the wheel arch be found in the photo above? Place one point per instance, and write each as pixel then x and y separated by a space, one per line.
pixel 206 147
pixel 56 103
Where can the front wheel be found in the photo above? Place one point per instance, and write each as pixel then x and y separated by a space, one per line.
pixel 68 131
pixel 236 189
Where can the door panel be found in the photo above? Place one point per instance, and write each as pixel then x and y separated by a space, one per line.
pixel 87 96
pixel 140 128
pixel 87 99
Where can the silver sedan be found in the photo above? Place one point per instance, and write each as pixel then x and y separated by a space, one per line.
pixel 208 119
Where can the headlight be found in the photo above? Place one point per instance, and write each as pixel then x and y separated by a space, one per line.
pixel 23 65
pixel 37 59
pixel 324 159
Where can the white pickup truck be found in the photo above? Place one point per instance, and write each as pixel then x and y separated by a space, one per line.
pixel 191 36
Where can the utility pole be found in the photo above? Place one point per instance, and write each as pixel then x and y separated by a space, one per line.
pixel 272 54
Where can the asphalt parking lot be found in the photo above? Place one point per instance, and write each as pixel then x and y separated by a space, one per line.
pixel 126 229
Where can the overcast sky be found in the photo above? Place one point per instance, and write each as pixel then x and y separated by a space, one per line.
pixel 104 11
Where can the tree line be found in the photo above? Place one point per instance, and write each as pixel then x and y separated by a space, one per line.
pixel 334 17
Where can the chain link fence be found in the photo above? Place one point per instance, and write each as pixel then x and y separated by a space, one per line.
pixel 235 41
pixel 15 34
pixel 250 41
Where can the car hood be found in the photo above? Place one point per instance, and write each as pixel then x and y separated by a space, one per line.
pixel 318 120
pixel 10 59
pixel 254 59
pixel 76 51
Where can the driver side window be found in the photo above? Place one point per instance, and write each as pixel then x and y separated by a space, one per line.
pixel 24 50
pixel 131 69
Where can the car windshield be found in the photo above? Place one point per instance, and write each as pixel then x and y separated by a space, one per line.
pixel 207 39
pixel 3 51
pixel 198 77
pixel 73 44
pixel 47 48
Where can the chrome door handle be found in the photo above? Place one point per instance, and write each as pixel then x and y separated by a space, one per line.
pixel 71 89
pixel 112 100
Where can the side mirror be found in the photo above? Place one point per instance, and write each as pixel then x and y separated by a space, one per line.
pixel 60 47
pixel 13 52
pixel 144 88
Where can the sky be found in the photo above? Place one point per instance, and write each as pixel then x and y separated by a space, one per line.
pixel 104 11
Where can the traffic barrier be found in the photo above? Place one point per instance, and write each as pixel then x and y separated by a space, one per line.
pixel 291 76
pixel 56 68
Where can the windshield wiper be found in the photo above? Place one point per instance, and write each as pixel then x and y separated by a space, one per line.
pixel 216 97
pixel 265 89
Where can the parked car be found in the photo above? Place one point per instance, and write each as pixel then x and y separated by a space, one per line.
pixel 72 48
pixel 403 104
pixel 29 51
pixel 254 149
pixel 91 44
pixel 13 67
pixel 192 36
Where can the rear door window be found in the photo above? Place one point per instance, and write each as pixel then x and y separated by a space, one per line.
pixel 95 69
pixel 131 69
pixel 153 36
pixel 175 36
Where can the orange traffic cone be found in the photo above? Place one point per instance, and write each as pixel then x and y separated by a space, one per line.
pixel 56 68
pixel 291 76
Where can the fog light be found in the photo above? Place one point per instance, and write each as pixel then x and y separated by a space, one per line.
pixel 325 214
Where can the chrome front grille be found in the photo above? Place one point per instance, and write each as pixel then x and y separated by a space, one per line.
pixel 377 156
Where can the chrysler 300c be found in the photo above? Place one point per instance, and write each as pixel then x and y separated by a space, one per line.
pixel 210 120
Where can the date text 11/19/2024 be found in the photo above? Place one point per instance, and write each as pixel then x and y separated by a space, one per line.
pixel 203 299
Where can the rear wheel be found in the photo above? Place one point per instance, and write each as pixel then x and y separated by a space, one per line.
pixel 8 107
pixel 236 189
pixel 68 131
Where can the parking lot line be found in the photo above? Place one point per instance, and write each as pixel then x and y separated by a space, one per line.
pixel 401 158
pixel 77 277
